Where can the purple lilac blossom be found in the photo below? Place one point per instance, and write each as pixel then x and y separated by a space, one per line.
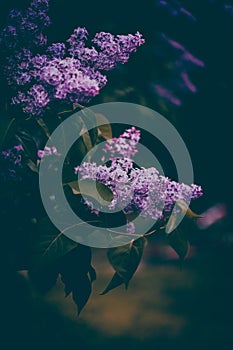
pixel 179 70
pixel 115 49
pixel 130 227
pixel 71 74
pixel 14 154
pixel 77 41
pixel 123 146
pixel 33 101
pixel 11 162
pixel 56 50
pixel 47 151
pixel 142 190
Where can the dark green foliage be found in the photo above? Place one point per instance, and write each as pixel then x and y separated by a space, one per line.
pixel 75 270
pixel 77 274
pixel 49 244
pixel 178 240
pixel 125 261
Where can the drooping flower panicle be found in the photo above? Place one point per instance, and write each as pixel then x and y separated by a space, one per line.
pixel 60 72
pixel 142 190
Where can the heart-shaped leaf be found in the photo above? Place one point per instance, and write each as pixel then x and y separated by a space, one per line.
pixel 125 261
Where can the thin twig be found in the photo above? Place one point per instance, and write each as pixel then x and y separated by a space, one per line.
pixel 125 233
pixel 63 231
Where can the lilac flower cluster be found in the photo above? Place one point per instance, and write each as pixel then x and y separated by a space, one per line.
pixel 47 151
pixel 123 146
pixel 112 49
pixel 14 154
pixel 58 73
pixel 11 162
pixel 141 190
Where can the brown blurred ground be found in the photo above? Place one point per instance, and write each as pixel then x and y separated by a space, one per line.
pixel 164 307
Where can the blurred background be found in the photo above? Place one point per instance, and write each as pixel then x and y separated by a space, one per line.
pixel 184 71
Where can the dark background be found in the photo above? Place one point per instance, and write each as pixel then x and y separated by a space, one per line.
pixel 202 295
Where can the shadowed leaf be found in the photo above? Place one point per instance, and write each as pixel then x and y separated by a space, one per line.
pixel 32 166
pixel 175 219
pixel 179 242
pixel 104 130
pixel 114 283
pixel 50 244
pixel 92 273
pixel 81 292
pixel 125 261
pixel 74 269
pixel 171 224
pixel 185 209
pixel 89 122
pixel 44 127
pixel 8 126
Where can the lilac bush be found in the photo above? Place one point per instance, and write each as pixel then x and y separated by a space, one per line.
pixel 46 77
pixel 70 72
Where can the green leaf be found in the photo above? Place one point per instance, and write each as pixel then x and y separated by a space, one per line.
pixel 89 119
pixel 44 126
pixel 171 224
pixel 186 210
pixel 178 240
pixel 32 166
pixel 82 292
pixel 85 124
pixel 92 273
pixel 115 282
pixel 89 188
pixel 50 244
pixel 8 127
pixel 104 130
pixel 174 218
pixel 75 268
pixel 25 138
pixel 125 261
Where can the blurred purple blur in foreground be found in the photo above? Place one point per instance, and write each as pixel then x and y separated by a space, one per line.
pixel 212 215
